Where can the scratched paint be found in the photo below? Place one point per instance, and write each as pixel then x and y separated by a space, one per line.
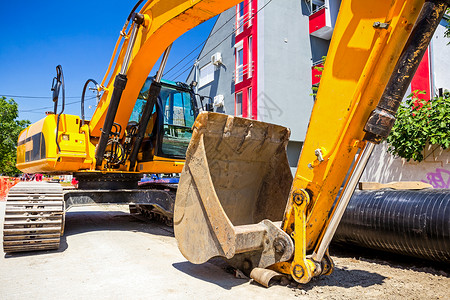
pixel 440 179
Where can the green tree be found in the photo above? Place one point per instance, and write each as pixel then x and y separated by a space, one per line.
pixel 10 128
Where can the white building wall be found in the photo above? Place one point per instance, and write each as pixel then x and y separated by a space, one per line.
pixel 284 65
pixel 384 167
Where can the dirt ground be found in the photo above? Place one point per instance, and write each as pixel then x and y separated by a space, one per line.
pixel 108 254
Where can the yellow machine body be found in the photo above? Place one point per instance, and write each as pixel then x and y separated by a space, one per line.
pixel 37 151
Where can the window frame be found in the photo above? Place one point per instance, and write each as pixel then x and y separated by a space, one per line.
pixel 240 18
pixel 209 77
pixel 241 94
pixel 250 13
pixel 239 47
pixel 250 56
pixel 249 103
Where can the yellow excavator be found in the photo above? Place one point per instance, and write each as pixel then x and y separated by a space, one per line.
pixel 236 198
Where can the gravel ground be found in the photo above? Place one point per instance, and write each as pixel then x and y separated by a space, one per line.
pixel 108 254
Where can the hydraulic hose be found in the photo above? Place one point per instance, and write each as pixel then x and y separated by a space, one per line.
pixel 82 97
pixel 57 82
pixel 133 10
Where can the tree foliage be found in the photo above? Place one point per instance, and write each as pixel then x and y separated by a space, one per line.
pixel 420 122
pixel 10 128
pixel 319 68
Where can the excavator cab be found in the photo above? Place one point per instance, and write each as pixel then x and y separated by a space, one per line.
pixel 164 142
pixel 177 112
pixel 169 129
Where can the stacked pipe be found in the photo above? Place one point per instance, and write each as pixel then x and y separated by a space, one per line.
pixel 415 223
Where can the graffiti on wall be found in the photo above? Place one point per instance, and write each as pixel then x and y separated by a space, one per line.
pixel 439 179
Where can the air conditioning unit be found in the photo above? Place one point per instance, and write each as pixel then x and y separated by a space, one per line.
pixel 216 59
pixel 218 101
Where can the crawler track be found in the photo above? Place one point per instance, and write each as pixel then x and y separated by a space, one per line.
pixel 152 212
pixel 34 217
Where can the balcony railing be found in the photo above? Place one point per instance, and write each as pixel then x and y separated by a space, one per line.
pixel 245 72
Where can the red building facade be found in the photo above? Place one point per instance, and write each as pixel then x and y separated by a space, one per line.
pixel 320 26
pixel 246 64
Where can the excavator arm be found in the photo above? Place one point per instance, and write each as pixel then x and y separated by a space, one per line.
pixel 383 33
pixel 159 24
pixel 152 31
pixel 89 146
pixel 236 176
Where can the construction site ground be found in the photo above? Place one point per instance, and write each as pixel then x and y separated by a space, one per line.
pixel 108 254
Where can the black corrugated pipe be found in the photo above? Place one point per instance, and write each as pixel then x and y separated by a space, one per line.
pixel 382 118
pixel 414 223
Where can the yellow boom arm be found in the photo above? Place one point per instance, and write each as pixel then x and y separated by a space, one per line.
pixel 76 147
pixel 164 22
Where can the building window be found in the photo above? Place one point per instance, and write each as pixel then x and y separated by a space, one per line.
pixel 238 109
pixel 239 63
pixel 239 18
pixel 249 92
pixel 206 75
pixel 250 12
pixel 250 57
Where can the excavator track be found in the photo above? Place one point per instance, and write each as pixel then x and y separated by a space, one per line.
pixel 151 212
pixel 34 217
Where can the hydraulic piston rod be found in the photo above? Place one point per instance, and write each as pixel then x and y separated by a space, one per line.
pixel 160 72
pixel 382 118
pixel 153 93
pixel 119 85
pixel 343 202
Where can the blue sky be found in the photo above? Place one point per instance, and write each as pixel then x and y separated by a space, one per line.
pixel 80 36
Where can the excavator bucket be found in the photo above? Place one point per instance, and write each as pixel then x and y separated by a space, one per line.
pixel 236 178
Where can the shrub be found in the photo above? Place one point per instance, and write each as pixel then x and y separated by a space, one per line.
pixel 420 122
